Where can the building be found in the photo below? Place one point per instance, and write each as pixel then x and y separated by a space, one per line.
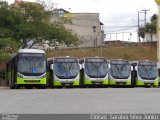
pixel 151 37
pixel 86 26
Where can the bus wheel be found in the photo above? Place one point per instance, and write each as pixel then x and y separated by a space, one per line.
pixel 12 87
pixel 147 86
pixel 29 87
pixel 16 86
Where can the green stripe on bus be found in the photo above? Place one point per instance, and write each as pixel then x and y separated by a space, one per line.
pixel 141 83
pixel 58 83
pixel 89 82
pixel 31 81
pixel 113 82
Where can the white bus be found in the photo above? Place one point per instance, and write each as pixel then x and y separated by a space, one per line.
pixel 27 68
pixel 119 72
pixel 66 71
pixel 145 73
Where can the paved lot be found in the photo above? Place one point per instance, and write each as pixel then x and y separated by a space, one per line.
pixel 88 100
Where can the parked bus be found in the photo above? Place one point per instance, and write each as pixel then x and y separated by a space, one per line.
pixel 50 71
pixel 158 66
pixel 119 72
pixel 65 71
pixel 145 73
pixel 27 68
pixel 94 71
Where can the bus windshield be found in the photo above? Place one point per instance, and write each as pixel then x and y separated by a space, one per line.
pixel 31 64
pixel 96 67
pixel 66 68
pixel 147 70
pixel 120 69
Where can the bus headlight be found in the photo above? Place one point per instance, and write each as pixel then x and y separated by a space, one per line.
pixel 19 75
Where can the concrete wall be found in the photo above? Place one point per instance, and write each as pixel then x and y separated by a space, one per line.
pixel 82 24
pixel 148 37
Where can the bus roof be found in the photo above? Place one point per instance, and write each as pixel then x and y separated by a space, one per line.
pixel 84 59
pixel 135 63
pixel 96 57
pixel 30 51
pixel 68 57
pixel 118 60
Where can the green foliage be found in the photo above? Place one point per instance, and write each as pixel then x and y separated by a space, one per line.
pixel 141 32
pixel 32 12
pixel 37 28
pixel 26 22
pixel 58 33
pixel 8 44
pixel 150 27
pixel 30 22
pixel 4 56
pixel 7 47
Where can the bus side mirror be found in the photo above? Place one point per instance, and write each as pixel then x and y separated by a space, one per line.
pixel 109 66
pixel 51 67
pixel 131 68
pixel 136 68
pixel 80 66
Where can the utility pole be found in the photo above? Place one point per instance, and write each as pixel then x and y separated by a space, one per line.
pixel 158 31
pixel 145 14
pixel 139 40
pixel 95 37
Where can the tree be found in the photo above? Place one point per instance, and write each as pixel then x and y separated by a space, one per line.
pixel 27 22
pixel 64 36
pixel 37 28
pixel 8 46
pixel 141 32
pixel 150 27
pixel 6 20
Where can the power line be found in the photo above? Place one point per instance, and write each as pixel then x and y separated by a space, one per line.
pixel 120 30
pixel 118 21
pixel 120 26
pixel 145 13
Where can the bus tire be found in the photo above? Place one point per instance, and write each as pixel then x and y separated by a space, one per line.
pixel 29 87
pixel 11 87
pixel 16 86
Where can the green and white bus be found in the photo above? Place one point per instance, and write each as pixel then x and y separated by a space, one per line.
pixel 66 71
pixel 119 72
pixel 145 73
pixel 158 66
pixel 27 68
pixel 94 71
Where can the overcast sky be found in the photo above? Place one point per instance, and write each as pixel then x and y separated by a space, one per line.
pixel 112 12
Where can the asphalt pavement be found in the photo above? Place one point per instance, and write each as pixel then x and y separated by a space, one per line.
pixel 80 100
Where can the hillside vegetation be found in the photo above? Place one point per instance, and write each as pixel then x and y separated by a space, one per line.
pixel 111 52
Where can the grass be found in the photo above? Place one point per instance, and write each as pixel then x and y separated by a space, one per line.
pixel 110 52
